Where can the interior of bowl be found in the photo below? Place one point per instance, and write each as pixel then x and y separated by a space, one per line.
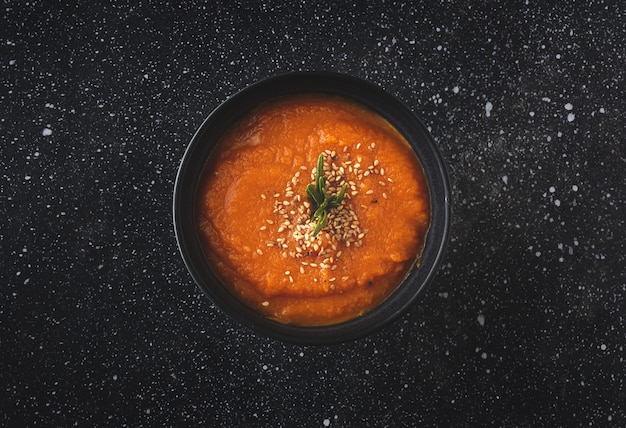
pixel 370 96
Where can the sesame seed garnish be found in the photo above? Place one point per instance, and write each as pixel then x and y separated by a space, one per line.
pixel 259 252
pixel 266 303
pixel 385 195
pixel 342 228
pixel 263 196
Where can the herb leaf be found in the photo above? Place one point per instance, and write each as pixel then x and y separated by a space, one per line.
pixel 322 201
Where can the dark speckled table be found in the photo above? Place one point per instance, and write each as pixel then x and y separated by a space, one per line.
pixel 100 323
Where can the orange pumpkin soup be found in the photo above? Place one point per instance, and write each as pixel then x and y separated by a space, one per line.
pixel 255 215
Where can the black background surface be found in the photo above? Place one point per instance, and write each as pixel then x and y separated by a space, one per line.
pixel 101 324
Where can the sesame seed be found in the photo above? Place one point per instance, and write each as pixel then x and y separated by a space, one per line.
pixel 259 252
pixel 263 196
pixel 287 272
pixel 369 192
pixel 301 270
pixel 262 227
pixel 385 195
pixel 291 279
pixel 276 195
pixel 382 171
pixel 358 146
pixel 266 303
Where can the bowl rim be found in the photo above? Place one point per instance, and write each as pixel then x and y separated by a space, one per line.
pixel 365 93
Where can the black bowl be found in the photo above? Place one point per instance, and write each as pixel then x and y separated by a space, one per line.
pixel 368 95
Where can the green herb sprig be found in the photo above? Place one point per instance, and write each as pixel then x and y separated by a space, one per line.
pixel 322 201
